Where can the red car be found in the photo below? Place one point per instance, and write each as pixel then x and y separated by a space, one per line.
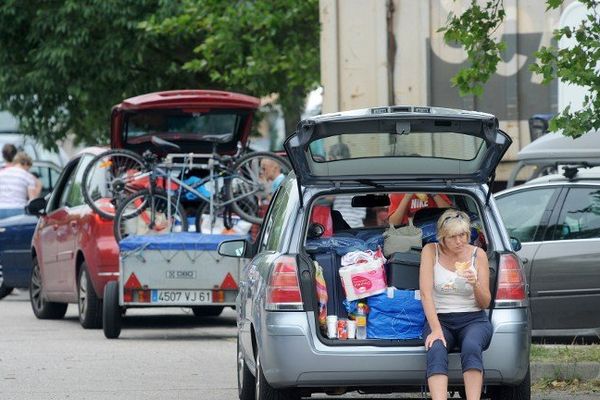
pixel 73 249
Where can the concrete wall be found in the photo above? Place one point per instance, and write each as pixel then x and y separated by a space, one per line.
pixel 383 52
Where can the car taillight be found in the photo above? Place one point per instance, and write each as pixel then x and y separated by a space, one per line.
pixel 283 289
pixel 512 289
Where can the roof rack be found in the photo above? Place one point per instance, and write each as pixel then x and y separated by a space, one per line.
pixel 570 171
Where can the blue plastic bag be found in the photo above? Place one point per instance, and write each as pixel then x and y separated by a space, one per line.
pixel 399 317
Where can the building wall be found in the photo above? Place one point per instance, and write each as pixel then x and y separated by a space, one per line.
pixel 383 52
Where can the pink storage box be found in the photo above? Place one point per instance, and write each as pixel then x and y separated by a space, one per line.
pixel 363 279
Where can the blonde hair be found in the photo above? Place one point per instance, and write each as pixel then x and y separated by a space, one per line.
pixel 452 222
pixel 23 159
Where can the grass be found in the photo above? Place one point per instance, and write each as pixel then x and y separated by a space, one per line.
pixel 574 385
pixel 565 353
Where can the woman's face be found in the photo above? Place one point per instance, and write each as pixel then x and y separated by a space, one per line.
pixel 456 243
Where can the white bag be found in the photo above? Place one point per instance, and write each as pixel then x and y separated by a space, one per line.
pixel 401 239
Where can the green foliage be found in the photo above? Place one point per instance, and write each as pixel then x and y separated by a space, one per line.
pixel 260 47
pixel 576 65
pixel 473 30
pixel 66 63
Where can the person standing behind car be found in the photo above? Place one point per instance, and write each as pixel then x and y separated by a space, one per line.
pixel 17 186
pixel 8 154
pixel 454 288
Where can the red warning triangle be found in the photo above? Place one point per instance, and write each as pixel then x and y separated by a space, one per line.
pixel 228 282
pixel 133 282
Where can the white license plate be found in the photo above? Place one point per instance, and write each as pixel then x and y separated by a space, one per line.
pixel 181 296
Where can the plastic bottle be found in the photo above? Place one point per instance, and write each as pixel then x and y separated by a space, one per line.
pixel 361 321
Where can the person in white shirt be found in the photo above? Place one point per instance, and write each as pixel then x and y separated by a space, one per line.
pixel 17 186
pixel 454 286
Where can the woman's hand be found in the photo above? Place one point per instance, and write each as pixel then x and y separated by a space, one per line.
pixel 432 337
pixel 470 276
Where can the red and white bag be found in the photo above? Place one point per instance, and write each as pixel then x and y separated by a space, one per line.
pixel 363 274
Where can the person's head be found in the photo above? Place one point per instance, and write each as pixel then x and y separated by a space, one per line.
pixel 23 160
pixel 8 152
pixel 269 169
pixel 339 151
pixel 453 229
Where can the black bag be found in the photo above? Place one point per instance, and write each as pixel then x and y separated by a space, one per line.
pixel 402 270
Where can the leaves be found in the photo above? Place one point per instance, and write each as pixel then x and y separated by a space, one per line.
pixel 66 63
pixel 577 65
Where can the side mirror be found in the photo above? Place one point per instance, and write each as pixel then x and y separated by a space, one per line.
pixel 233 248
pixel 36 206
pixel 515 244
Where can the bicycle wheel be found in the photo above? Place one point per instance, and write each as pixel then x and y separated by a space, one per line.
pixel 108 179
pixel 247 187
pixel 143 213
pixel 203 217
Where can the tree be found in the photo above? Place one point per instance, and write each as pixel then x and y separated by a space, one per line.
pixel 262 47
pixel 66 63
pixel 577 65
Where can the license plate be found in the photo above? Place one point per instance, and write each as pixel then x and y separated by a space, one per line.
pixel 181 296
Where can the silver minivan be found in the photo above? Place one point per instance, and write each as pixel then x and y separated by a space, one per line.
pixel 283 350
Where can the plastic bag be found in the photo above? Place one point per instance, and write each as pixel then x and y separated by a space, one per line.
pixel 400 316
pixel 363 274
pixel 401 239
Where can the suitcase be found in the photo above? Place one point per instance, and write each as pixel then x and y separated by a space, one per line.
pixel 331 263
pixel 402 270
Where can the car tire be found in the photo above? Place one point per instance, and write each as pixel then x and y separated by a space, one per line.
pixel 90 305
pixel 522 391
pixel 246 380
pixel 43 309
pixel 264 391
pixel 112 313
pixel 5 291
pixel 207 311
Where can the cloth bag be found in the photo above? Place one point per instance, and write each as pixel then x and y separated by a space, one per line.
pixel 401 239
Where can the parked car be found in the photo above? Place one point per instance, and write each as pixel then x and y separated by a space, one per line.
pixel 16 232
pixel 557 219
pixel 73 250
pixel 283 352
pixel 15 252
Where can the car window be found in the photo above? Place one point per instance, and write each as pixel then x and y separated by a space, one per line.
pixel 47 175
pixel 580 215
pixel 522 211
pixel 277 218
pixel 73 195
pixel 64 196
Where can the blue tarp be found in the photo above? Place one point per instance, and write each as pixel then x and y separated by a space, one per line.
pixel 176 241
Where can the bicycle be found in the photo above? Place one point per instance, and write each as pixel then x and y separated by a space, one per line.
pixel 121 185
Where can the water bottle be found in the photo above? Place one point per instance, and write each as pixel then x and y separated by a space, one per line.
pixel 361 321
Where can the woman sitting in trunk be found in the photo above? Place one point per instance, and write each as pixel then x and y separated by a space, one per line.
pixel 454 284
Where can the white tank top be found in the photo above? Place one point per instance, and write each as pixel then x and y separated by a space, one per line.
pixel 451 293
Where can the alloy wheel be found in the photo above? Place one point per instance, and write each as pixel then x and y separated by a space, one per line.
pixel 37 299
pixel 83 297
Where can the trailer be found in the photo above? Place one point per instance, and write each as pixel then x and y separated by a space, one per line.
pixel 172 270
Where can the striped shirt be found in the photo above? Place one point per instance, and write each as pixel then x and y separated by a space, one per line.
pixel 352 215
pixel 14 182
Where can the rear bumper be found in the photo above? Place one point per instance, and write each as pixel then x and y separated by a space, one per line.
pixel 293 356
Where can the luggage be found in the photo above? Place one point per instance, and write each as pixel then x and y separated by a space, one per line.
pixel 397 314
pixel 402 270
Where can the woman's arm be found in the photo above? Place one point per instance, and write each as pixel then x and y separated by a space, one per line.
pixel 481 285
pixel 441 201
pixel 34 192
pixel 426 289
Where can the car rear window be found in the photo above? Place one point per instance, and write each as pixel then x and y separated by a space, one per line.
pixel 435 145
pixel 190 125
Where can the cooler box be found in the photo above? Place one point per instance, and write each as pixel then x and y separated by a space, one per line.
pixel 177 269
pixel 402 270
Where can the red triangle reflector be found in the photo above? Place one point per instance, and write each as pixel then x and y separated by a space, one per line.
pixel 133 282
pixel 228 282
